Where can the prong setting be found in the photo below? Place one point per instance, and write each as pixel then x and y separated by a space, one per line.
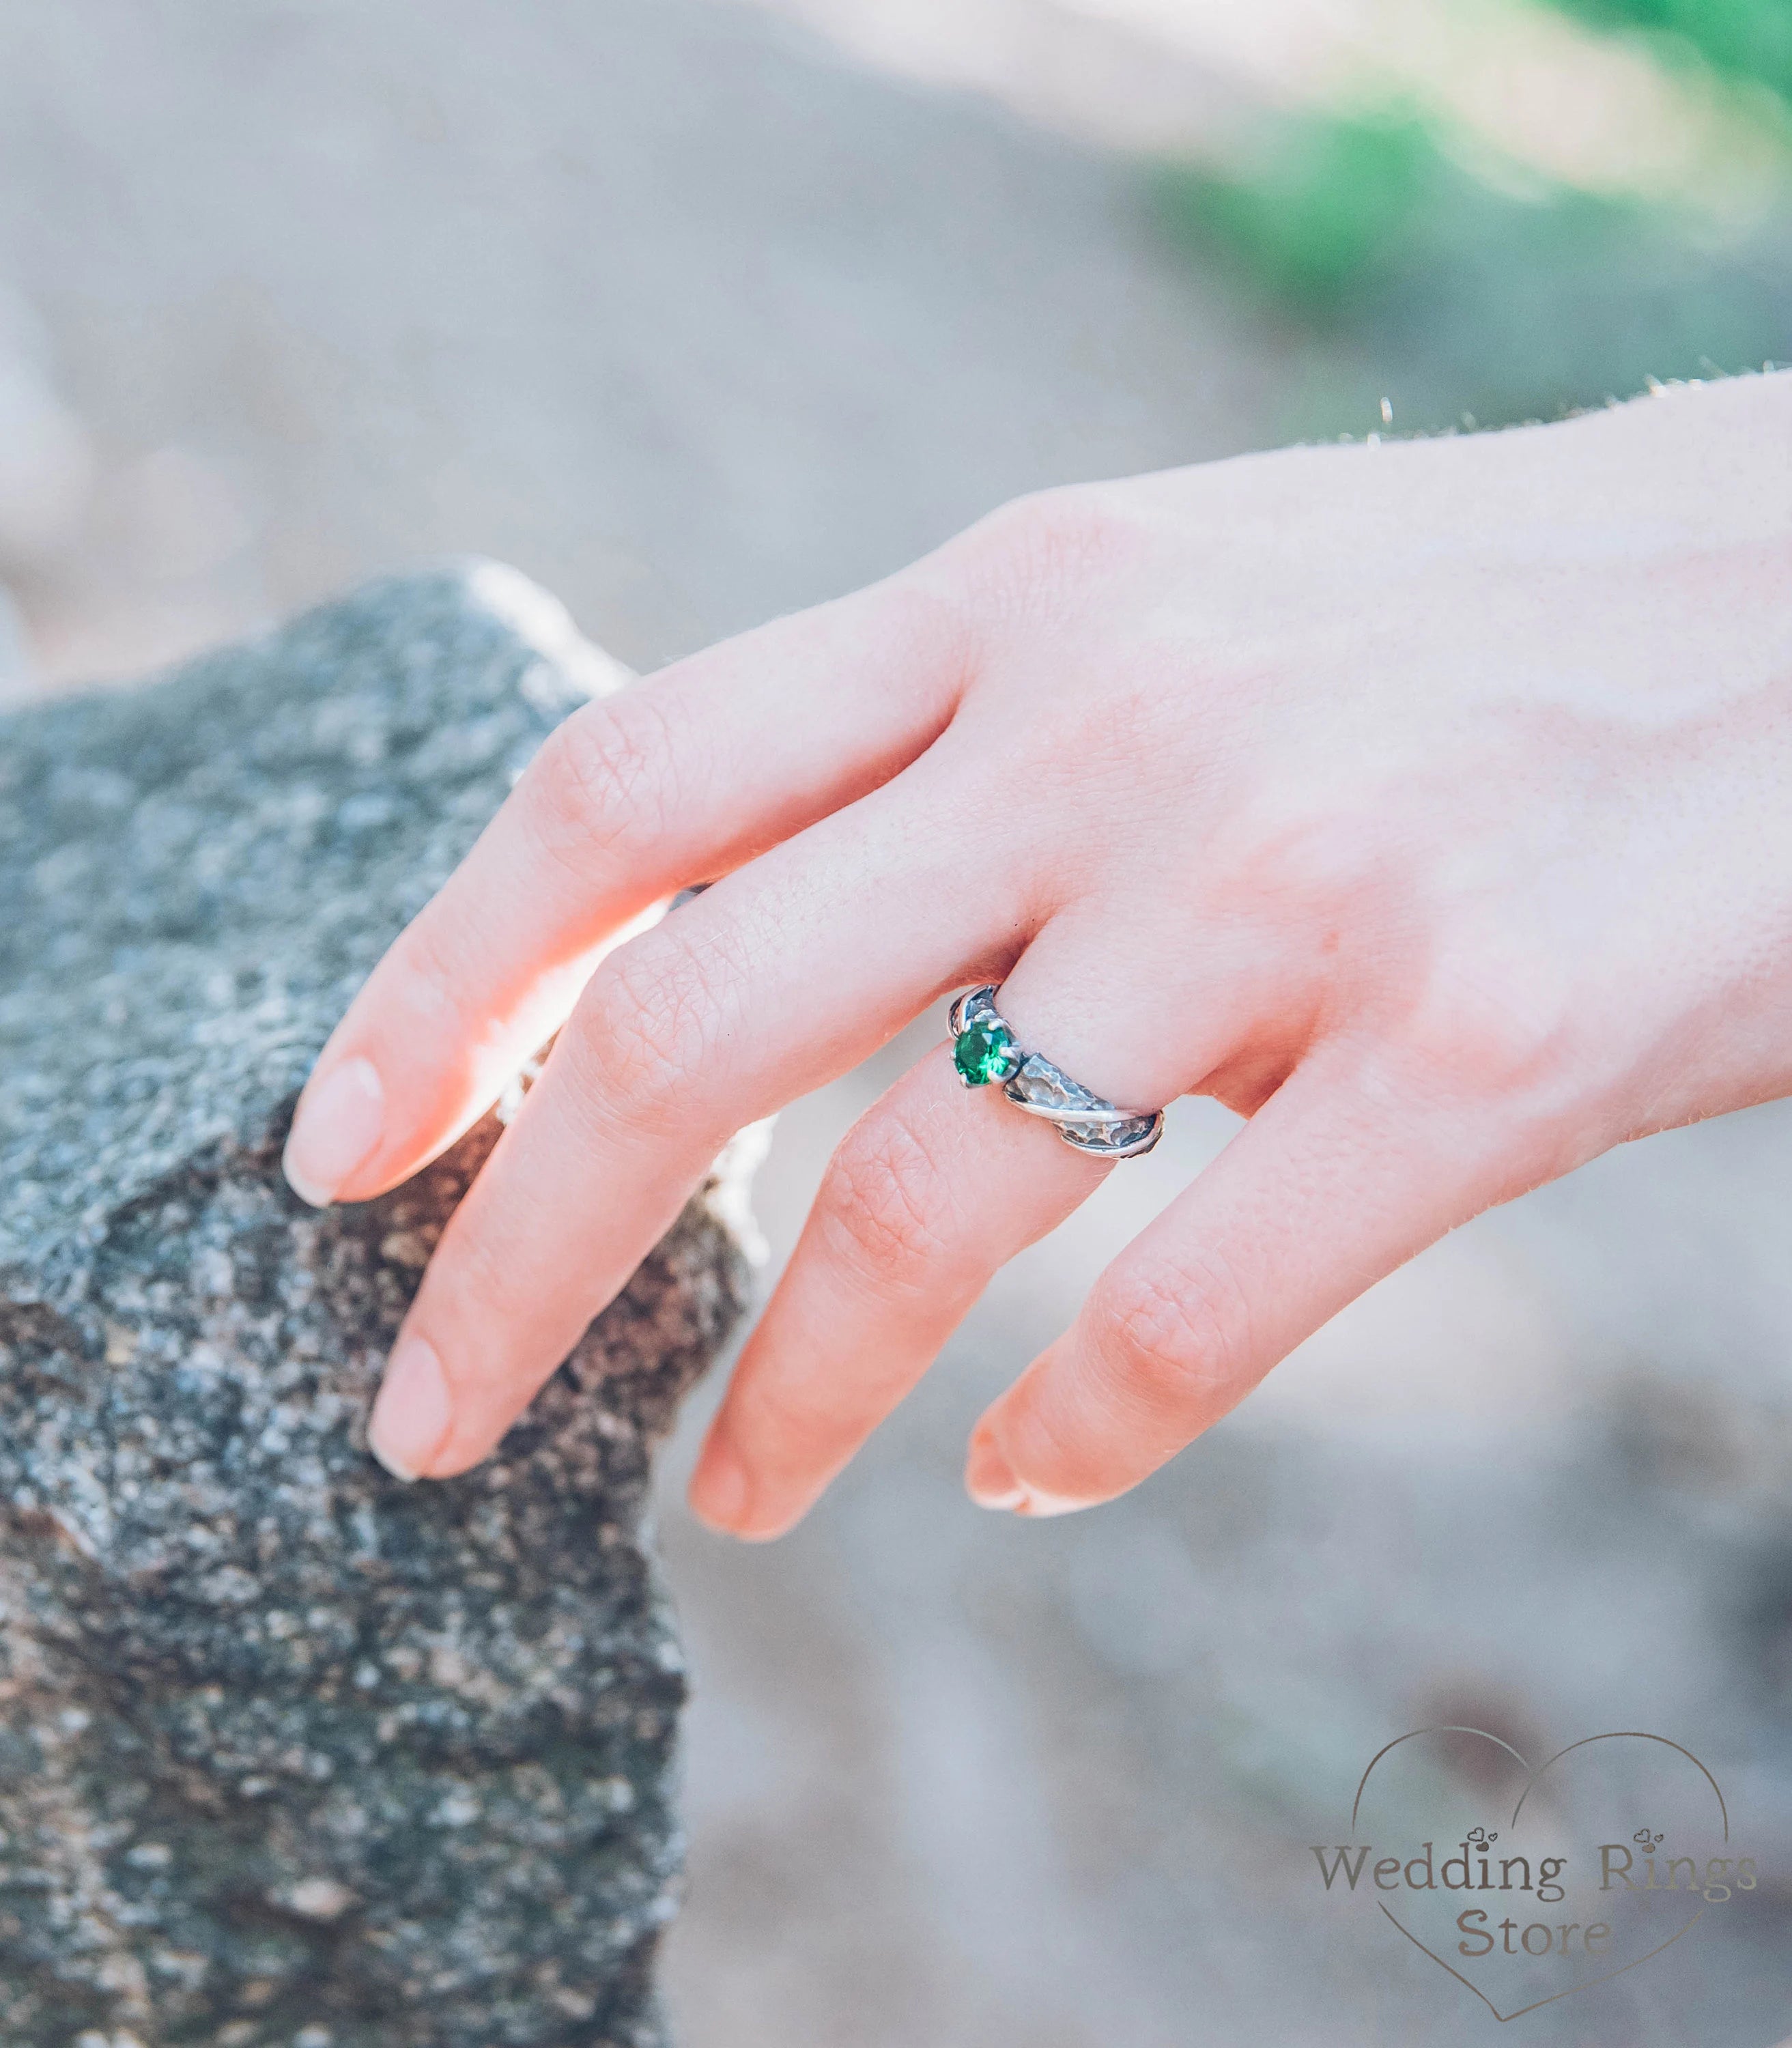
pixel 985 1049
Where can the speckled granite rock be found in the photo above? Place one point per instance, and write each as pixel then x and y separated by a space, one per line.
pixel 290 1753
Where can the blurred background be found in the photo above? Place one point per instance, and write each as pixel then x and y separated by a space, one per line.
pixel 700 310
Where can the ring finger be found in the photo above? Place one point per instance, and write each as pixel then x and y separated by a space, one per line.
pixel 931 1192
pixel 926 1198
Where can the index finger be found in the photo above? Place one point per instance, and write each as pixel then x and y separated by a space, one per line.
pixel 674 780
pixel 791 972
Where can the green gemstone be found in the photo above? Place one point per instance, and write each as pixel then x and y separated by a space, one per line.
pixel 985 1052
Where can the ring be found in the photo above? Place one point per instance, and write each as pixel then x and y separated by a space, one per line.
pixel 984 1050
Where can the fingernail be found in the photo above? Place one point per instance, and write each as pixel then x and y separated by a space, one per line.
pixel 718 1489
pixel 412 1412
pixel 338 1124
pixel 1038 1506
pixel 991 1482
pixel 989 1479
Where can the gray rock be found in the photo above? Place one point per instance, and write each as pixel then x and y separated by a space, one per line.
pixel 290 1752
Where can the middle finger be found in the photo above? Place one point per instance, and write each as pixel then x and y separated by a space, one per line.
pixel 772 983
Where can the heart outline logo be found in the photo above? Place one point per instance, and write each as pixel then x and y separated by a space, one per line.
pixel 1532 1780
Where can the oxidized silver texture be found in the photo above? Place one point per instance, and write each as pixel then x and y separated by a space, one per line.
pixel 1083 1118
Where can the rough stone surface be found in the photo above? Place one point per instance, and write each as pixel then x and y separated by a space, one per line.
pixel 290 1752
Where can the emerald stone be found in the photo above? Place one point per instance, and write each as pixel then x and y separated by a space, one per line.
pixel 985 1052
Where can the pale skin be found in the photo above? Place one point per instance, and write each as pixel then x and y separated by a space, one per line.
pixel 1429 803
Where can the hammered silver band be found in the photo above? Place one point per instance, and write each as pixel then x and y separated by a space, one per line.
pixel 1084 1119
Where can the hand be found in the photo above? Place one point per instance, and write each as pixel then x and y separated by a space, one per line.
pixel 1429 803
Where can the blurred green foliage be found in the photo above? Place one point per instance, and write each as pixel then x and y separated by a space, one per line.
pixel 1744 39
pixel 1414 277
pixel 1326 213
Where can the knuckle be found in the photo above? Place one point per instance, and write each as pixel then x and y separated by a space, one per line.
pixel 473 1279
pixel 1034 552
pixel 1173 1339
pixel 1495 1005
pixel 601 783
pixel 1481 1039
pixel 430 960
pixel 936 616
pixel 475 1283
pixel 1496 1045
pixel 646 1029
pixel 785 1424
pixel 881 1208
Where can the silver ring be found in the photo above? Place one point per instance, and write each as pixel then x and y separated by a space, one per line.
pixel 984 1048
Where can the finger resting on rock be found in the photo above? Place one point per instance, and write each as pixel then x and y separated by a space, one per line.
pixel 764 988
pixel 675 779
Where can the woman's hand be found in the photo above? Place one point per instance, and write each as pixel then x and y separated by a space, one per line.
pixel 1430 804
